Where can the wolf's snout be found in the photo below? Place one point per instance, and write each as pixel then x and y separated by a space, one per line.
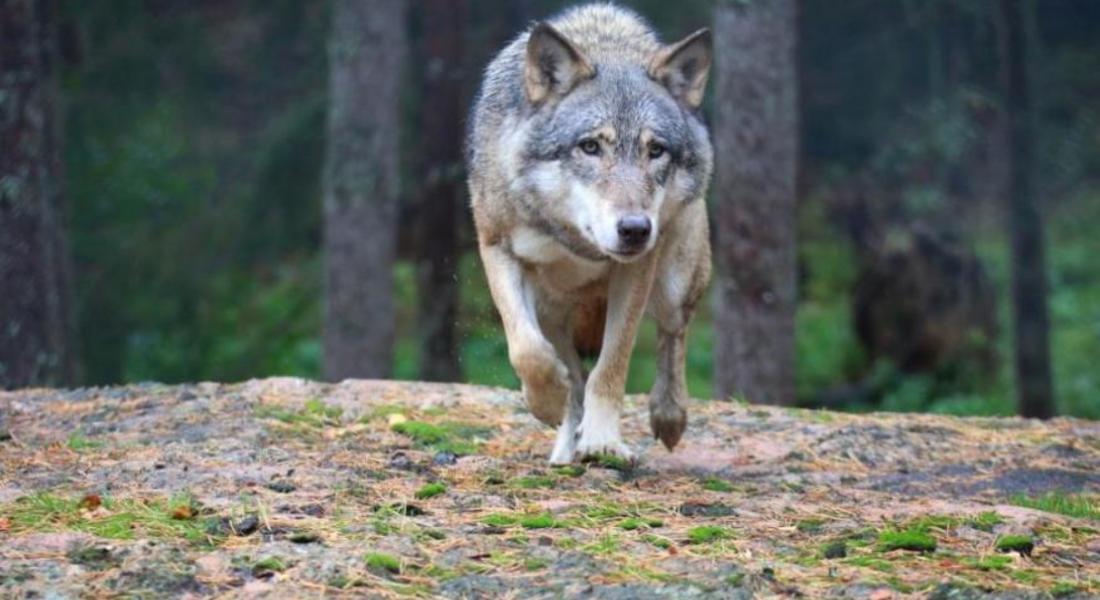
pixel 634 231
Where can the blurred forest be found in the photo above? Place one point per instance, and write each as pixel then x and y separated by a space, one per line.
pixel 193 144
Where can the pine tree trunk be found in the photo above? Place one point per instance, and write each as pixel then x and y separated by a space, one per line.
pixel 366 53
pixel 441 170
pixel 36 328
pixel 1034 393
pixel 756 161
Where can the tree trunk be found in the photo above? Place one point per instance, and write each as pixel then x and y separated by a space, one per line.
pixel 35 290
pixel 366 53
pixel 756 161
pixel 1034 394
pixel 440 168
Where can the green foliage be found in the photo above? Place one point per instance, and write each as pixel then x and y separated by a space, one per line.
pixel 985 521
pixel 715 484
pixel 1072 505
pixel 540 521
pixel 705 534
pixel 431 490
pixel 1022 544
pixel 120 518
pixel 377 561
pixel 193 178
pixel 910 539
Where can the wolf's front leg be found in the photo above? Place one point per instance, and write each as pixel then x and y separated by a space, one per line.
pixel 628 291
pixel 545 378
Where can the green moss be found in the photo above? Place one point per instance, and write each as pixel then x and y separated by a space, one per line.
pixel 870 562
pixel 541 521
pixel 836 549
pixel 78 442
pixel 269 564
pixel 500 520
pixel 121 518
pixel 1022 544
pixel 985 521
pixel 610 461
pixel 989 563
pixel 571 470
pixel 606 544
pixel 530 482
pixel 632 523
pixel 318 408
pixel 431 490
pixel 535 564
pixel 421 433
pixel 715 484
pixel 1025 576
pixel 657 541
pixel 448 437
pixel 381 412
pixel 910 539
pixel 811 525
pixel 377 561
pixel 315 413
pixel 1071 505
pixel 735 579
pixel 929 522
pixel 1063 588
pixel 705 534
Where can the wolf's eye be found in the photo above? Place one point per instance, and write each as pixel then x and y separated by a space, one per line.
pixel 589 147
pixel 656 151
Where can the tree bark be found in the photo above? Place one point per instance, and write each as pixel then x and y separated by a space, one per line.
pixel 1034 391
pixel 756 161
pixel 441 118
pixel 366 53
pixel 36 329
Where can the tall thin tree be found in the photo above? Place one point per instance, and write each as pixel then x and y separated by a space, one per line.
pixel 756 162
pixel 35 290
pixel 366 53
pixel 440 168
pixel 1030 315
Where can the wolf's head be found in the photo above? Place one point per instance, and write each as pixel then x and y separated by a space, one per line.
pixel 612 149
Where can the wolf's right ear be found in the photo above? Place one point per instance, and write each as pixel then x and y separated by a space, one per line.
pixel 554 64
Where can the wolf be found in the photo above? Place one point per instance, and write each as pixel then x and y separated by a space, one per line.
pixel 588 163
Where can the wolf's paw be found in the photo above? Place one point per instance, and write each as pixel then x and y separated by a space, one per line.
pixel 545 383
pixel 667 419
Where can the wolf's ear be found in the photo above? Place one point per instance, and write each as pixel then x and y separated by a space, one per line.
pixel 683 67
pixel 554 64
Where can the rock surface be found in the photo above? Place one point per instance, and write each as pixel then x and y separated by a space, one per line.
pixel 290 488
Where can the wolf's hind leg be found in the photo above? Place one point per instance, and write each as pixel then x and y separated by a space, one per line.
pixel 668 398
pixel 682 278
pixel 559 333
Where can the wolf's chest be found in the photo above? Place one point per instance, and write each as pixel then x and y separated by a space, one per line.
pixel 556 268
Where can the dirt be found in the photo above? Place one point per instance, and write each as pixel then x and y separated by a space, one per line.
pixel 287 488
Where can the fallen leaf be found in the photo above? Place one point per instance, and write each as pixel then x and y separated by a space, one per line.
pixel 396 418
pixel 91 502
pixel 5 524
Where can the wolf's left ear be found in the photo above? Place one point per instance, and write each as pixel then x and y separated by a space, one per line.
pixel 683 67
pixel 554 64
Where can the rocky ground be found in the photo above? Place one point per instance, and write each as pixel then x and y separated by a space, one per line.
pixel 288 488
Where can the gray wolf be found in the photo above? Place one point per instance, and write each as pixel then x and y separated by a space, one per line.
pixel 588 164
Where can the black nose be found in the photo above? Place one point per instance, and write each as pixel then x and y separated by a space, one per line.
pixel 634 230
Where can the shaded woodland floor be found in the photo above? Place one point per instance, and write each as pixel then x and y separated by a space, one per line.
pixel 289 488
